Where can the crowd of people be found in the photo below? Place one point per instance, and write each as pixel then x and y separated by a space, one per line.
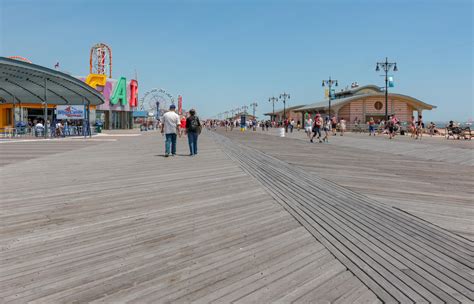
pixel 56 128
pixel 319 127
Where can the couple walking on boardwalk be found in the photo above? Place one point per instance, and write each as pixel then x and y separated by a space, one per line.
pixel 171 125
pixel 319 124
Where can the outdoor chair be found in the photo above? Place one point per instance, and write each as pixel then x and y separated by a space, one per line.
pixel 3 132
pixel 359 128
pixel 39 132
pixel 21 131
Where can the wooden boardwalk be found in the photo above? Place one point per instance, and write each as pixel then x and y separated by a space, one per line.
pixel 436 149
pixel 399 257
pixel 432 149
pixel 436 191
pixel 111 221
pixel 14 151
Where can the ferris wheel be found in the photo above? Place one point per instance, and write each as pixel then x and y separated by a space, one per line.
pixel 156 101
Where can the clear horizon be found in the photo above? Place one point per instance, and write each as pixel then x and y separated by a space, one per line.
pixel 224 54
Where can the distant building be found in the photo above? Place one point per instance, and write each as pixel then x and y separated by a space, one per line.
pixel 291 113
pixel 248 116
pixel 368 101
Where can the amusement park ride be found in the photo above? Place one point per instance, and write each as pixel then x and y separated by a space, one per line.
pixel 100 61
pixel 155 101
pixel 100 69
pixel 120 94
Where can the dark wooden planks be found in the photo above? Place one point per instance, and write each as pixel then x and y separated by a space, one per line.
pixel 439 192
pixel 391 249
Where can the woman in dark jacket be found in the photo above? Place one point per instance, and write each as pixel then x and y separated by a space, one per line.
pixel 193 129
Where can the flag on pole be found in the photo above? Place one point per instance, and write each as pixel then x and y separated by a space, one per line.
pixel 391 83
pixel 180 105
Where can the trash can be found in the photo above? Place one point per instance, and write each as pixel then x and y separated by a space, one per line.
pixel 98 127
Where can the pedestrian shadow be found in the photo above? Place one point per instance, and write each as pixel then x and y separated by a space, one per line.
pixel 177 154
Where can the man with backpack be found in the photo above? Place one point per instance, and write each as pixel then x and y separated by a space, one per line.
pixel 193 128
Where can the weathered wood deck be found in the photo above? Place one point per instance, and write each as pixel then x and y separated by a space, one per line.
pixel 437 191
pixel 399 257
pixel 114 221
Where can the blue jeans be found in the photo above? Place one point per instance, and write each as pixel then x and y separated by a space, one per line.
pixel 170 143
pixel 317 130
pixel 193 142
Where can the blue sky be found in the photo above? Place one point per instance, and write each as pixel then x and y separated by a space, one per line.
pixel 224 54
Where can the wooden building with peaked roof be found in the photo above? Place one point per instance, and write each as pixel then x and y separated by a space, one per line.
pixel 291 113
pixel 368 101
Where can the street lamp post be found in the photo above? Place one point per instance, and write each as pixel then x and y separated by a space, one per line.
pixel 284 97
pixel 254 107
pixel 273 100
pixel 329 82
pixel 386 66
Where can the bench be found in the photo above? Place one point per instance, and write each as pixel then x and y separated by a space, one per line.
pixel 457 132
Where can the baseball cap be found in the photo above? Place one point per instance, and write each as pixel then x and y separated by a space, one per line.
pixel 172 106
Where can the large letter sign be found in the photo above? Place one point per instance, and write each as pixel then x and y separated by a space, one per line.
pixel 133 93
pixel 96 80
pixel 120 92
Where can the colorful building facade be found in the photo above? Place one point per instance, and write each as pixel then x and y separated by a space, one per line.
pixel 121 99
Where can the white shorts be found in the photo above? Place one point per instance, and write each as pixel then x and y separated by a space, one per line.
pixel 308 129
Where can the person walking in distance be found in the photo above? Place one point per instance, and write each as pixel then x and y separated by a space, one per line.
pixel 334 125
pixel 308 126
pixel 413 127
pixel 170 128
pixel 193 128
pixel 326 128
pixel 342 122
pixel 371 124
pixel 183 124
pixel 391 127
pixel 419 127
pixel 318 123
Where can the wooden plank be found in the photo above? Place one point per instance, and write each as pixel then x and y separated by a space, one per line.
pixel 441 180
pixel 325 203
pixel 112 220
